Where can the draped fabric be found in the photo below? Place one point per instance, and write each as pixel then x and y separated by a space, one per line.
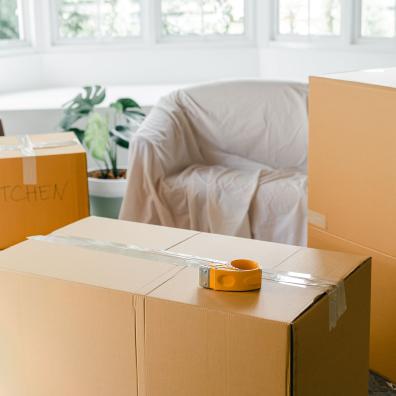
pixel 227 158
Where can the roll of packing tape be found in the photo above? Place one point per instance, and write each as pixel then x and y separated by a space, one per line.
pixel 240 275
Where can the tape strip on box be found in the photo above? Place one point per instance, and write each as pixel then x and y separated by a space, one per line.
pixel 317 219
pixel 27 149
pixel 29 163
pixel 335 290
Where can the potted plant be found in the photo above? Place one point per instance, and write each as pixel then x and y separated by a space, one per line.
pixel 102 133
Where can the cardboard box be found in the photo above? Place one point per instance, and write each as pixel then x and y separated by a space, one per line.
pixel 80 321
pixel 352 187
pixel 41 189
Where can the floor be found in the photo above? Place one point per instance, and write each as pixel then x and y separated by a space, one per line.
pixel 379 387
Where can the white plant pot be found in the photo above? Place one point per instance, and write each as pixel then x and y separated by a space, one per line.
pixel 106 196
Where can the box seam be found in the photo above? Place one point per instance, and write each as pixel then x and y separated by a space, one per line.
pixel 352 242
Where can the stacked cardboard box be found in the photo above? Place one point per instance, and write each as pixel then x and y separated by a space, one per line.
pixel 352 187
pixel 43 185
pixel 89 321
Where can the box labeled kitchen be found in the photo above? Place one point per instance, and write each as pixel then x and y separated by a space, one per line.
pixel 43 185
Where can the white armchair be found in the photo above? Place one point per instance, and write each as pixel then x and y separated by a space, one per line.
pixel 227 158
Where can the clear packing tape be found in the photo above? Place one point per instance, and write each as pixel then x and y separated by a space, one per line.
pixel 335 290
pixel 27 149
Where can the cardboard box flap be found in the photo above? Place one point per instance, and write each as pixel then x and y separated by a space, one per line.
pixel 322 264
pixel 223 247
pixel 126 232
pixel 80 265
pixel 318 351
pixel 51 138
pixel 62 338
pixel 194 351
pixel 383 299
pixel 98 268
pixel 275 301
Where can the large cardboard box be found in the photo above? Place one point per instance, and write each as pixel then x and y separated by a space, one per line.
pixel 352 187
pixel 86 321
pixel 43 185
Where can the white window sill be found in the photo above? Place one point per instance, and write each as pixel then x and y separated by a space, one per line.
pixel 380 45
pixel 54 98
pixel 17 49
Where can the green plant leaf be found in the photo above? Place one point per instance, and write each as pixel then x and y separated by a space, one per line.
pixel 78 132
pixel 68 119
pixel 121 135
pixel 82 105
pixel 127 103
pixel 97 137
pixel 122 143
pixel 98 95
pixel 117 106
pixel 133 113
pixel 121 128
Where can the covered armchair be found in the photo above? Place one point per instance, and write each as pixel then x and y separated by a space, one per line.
pixel 228 158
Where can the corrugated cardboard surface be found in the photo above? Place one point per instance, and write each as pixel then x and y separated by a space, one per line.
pixel 352 171
pixel 352 161
pixel 200 351
pixel 102 323
pixel 70 323
pixel 62 338
pixel 383 299
pixel 58 197
pixel 140 234
pixel 329 363
pixel 324 362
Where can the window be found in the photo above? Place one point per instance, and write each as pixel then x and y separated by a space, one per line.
pixel 203 18
pixel 85 21
pixel 309 17
pixel 11 26
pixel 96 19
pixel 378 18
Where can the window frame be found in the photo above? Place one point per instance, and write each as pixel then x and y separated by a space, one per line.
pixel 248 37
pixel 58 41
pixel 365 41
pixel 151 29
pixel 25 29
pixel 308 38
pixel 40 32
pixel 350 37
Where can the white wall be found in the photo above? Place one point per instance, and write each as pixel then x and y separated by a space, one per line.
pixel 126 66
pixel 20 72
pixel 163 65
pixel 299 63
pixel 148 66
pixel 179 66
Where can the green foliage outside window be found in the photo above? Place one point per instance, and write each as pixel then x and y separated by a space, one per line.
pixel 202 17
pixel 9 21
pixel 99 18
pixel 304 17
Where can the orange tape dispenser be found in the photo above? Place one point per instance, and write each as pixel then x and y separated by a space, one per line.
pixel 240 275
